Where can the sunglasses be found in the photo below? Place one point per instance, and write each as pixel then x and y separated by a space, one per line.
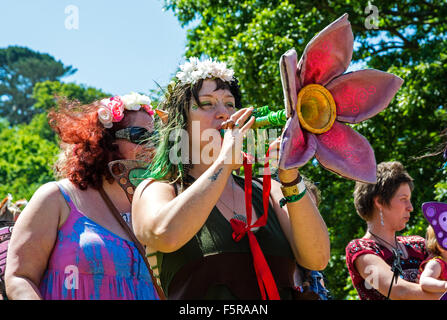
pixel 135 135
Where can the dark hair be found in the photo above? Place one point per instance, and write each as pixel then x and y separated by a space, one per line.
pixel 232 86
pixel 87 146
pixel 390 176
pixel 177 103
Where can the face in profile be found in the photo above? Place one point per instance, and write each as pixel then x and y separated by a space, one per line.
pixel 397 214
pixel 132 140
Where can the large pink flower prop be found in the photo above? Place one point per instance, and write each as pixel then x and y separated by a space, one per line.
pixel 319 97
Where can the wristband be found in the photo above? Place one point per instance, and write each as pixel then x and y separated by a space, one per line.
pixel 293 198
pixel 293 189
pixel 292 183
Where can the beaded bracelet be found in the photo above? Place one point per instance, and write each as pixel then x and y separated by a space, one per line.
pixel 293 198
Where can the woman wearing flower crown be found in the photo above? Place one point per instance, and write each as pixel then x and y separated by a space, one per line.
pixel 67 243
pixel 193 215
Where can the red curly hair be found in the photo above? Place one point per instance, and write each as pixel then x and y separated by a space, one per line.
pixel 86 144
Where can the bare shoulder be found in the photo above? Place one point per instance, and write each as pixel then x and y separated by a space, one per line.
pixel 151 187
pixel 276 185
pixel 434 265
pixel 47 196
pixel 35 233
pixel 149 197
pixel 43 214
pixel 276 190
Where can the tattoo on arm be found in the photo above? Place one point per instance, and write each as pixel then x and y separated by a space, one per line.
pixel 214 176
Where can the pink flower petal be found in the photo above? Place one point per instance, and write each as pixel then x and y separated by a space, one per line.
pixel 297 146
pixel 148 109
pixel 289 77
pixel 347 153
pixel 117 112
pixel 362 94
pixel 328 54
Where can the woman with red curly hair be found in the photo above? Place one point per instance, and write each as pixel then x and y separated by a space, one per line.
pixel 70 242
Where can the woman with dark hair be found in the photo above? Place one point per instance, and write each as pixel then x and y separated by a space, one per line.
pixel 193 214
pixel 70 241
pixel 381 264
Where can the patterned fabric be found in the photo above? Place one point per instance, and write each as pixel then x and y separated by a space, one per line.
pixel 417 253
pixel 90 262
pixel 317 286
pixel 204 268
pixel 441 262
pixel 5 236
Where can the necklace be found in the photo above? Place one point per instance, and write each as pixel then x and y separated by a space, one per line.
pixel 236 216
pixel 396 267
pixel 395 248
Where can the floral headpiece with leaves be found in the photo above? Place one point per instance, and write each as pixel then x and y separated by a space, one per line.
pixel 112 109
pixel 194 70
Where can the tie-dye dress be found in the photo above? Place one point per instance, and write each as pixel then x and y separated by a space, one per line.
pixel 90 262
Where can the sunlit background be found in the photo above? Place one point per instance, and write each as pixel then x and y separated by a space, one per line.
pixel 118 46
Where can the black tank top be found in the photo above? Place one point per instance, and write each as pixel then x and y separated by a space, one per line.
pixel 213 266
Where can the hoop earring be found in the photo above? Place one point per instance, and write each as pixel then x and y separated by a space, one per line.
pixel 381 218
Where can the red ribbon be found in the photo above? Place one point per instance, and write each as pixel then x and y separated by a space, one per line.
pixel 266 282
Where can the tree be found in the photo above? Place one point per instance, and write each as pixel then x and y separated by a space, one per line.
pixel 252 34
pixel 45 94
pixel 25 158
pixel 410 41
pixel 20 69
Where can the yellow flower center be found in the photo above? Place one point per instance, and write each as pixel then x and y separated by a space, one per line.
pixel 316 108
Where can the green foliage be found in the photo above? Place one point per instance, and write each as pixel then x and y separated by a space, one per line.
pixel 441 191
pixel 20 69
pixel 252 34
pixel 45 93
pixel 25 158
pixel 28 151
pixel 411 42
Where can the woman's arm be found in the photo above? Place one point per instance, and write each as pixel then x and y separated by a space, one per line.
pixel 165 222
pixel 303 226
pixel 378 274
pixel 31 243
pixel 429 278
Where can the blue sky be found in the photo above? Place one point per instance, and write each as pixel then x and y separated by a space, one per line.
pixel 119 46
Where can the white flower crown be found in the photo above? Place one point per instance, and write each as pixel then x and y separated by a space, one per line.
pixel 194 70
